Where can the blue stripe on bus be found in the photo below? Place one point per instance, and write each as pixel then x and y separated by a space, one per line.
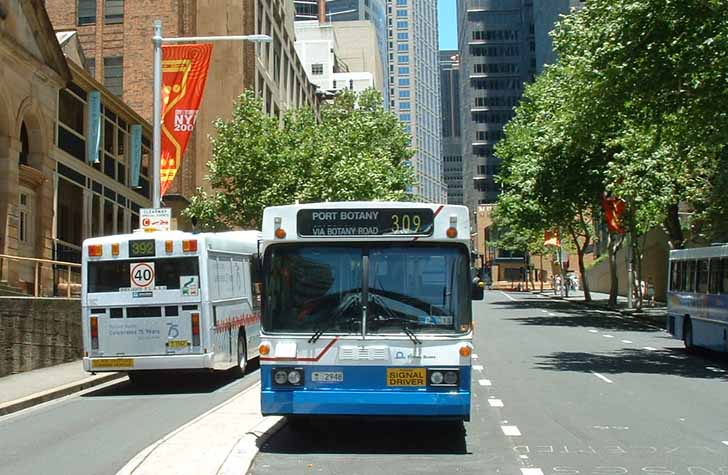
pixel 364 391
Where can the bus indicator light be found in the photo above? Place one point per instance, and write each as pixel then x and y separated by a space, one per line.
pixel 465 351
pixel 281 233
pixel 94 322
pixel 264 349
pixel 195 329
pixel 189 245
pixel 115 249
pixel 452 232
pixel 95 250
pixel 169 246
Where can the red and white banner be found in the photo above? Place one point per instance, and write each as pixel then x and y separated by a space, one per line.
pixel 614 210
pixel 184 75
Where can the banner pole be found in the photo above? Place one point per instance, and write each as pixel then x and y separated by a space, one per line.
pixel 157 115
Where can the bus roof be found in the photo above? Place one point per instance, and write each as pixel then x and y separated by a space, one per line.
pixel 297 220
pixel 700 252
pixel 233 241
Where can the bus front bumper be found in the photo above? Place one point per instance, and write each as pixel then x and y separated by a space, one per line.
pixel 454 405
pixel 147 363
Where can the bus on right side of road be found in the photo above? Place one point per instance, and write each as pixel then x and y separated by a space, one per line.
pixel 697 298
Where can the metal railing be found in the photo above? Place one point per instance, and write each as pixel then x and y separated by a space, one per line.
pixel 59 268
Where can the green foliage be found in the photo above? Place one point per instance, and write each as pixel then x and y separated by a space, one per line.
pixel 636 106
pixel 356 151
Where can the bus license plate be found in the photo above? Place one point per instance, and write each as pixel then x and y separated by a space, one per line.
pixel 327 376
pixel 178 344
pixel 406 377
pixel 113 363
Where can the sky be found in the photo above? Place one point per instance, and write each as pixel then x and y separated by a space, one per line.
pixel 448 25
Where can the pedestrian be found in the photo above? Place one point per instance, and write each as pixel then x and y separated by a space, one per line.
pixel 651 291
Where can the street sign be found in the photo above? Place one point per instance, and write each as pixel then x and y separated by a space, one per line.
pixel 155 219
pixel 141 275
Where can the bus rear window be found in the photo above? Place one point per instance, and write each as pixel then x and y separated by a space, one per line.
pixel 110 276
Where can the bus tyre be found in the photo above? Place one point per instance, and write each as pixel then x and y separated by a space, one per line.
pixel 242 354
pixel 688 335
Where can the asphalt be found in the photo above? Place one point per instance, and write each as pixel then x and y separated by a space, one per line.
pixel 99 430
pixel 563 389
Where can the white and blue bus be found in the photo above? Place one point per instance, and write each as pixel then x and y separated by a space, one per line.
pixel 367 310
pixel 697 299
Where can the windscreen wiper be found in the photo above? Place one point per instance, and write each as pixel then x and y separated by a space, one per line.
pixel 338 311
pixel 404 323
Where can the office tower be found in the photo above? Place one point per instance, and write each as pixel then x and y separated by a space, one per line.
pixel 415 88
pixel 452 159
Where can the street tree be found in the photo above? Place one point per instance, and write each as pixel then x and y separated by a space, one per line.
pixel 355 151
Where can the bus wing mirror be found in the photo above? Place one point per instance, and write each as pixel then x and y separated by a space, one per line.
pixel 477 289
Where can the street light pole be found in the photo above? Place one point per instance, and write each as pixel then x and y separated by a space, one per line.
pixel 157 137
pixel 158 40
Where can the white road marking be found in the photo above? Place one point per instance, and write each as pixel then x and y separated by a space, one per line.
pixel 478 367
pixel 627 341
pixel 593 331
pixel 495 403
pixel 531 471
pixel 524 457
pixel 511 431
pixel 484 382
pixel 725 442
pixel 475 357
pixel 602 377
pixel 545 311
pixel 608 336
pixel 514 300
pixel 714 369
pixel 551 314
pixel 649 348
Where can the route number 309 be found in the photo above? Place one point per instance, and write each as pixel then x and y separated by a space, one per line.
pixel 406 223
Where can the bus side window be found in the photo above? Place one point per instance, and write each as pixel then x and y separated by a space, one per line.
pixel 689 277
pixel 702 286
pixel 716 276
pixel 255 279
pixel 674 275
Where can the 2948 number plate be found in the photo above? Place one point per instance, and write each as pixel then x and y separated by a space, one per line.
pixel 328 376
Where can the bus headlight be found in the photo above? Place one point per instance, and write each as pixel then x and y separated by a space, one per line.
pixel 288 376
pixel 443 377
pixel 436 377
pixel 280 376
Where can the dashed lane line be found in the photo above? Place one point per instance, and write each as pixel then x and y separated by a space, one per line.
pixel 475 357
pixel 649 348
pixel 512 299
pixel 531 471
pixel 725 442
pixel 484 382
pixel 593 331
pixel 478 367
pixel 545 311
pixel 495 402
pixel 511 431
pixel 608 336
pixel 627 341
pixel 602 377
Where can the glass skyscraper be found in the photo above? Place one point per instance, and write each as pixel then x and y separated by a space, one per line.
pixel 415 89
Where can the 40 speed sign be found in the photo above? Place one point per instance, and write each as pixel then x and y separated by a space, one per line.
pixel 142 275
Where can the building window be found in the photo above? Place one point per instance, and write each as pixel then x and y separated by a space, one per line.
pixel 403 58
pixel 317 69
pixel 404 70
pixel 114 74
pixel 114 11
pixel 401 3
pixel 405 117
pixel 403 47
pixel 403 24
pixel 401 13
pixel 24 145
pixel 25 212
pixel 404 36
pixel 404 82
pixel 404 93
pixel 404 106
pixel 86 12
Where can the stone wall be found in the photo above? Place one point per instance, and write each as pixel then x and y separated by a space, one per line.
pixel 38 332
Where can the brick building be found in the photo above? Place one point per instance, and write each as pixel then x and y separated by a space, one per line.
pixel 116 37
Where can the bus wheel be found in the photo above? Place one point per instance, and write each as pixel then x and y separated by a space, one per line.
pixel 688 334
pixel 242 354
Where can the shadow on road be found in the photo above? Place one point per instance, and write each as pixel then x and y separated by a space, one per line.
pixel 585 319
pixel 175 383
pixel 356 436
pixel 671 361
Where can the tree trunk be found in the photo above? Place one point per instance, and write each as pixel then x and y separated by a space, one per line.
pixel 613 245
pixel 672 226
pixel 540 273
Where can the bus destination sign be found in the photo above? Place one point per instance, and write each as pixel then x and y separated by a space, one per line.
pixel 365 222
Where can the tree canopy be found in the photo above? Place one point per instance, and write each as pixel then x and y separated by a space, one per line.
pixel 355 151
